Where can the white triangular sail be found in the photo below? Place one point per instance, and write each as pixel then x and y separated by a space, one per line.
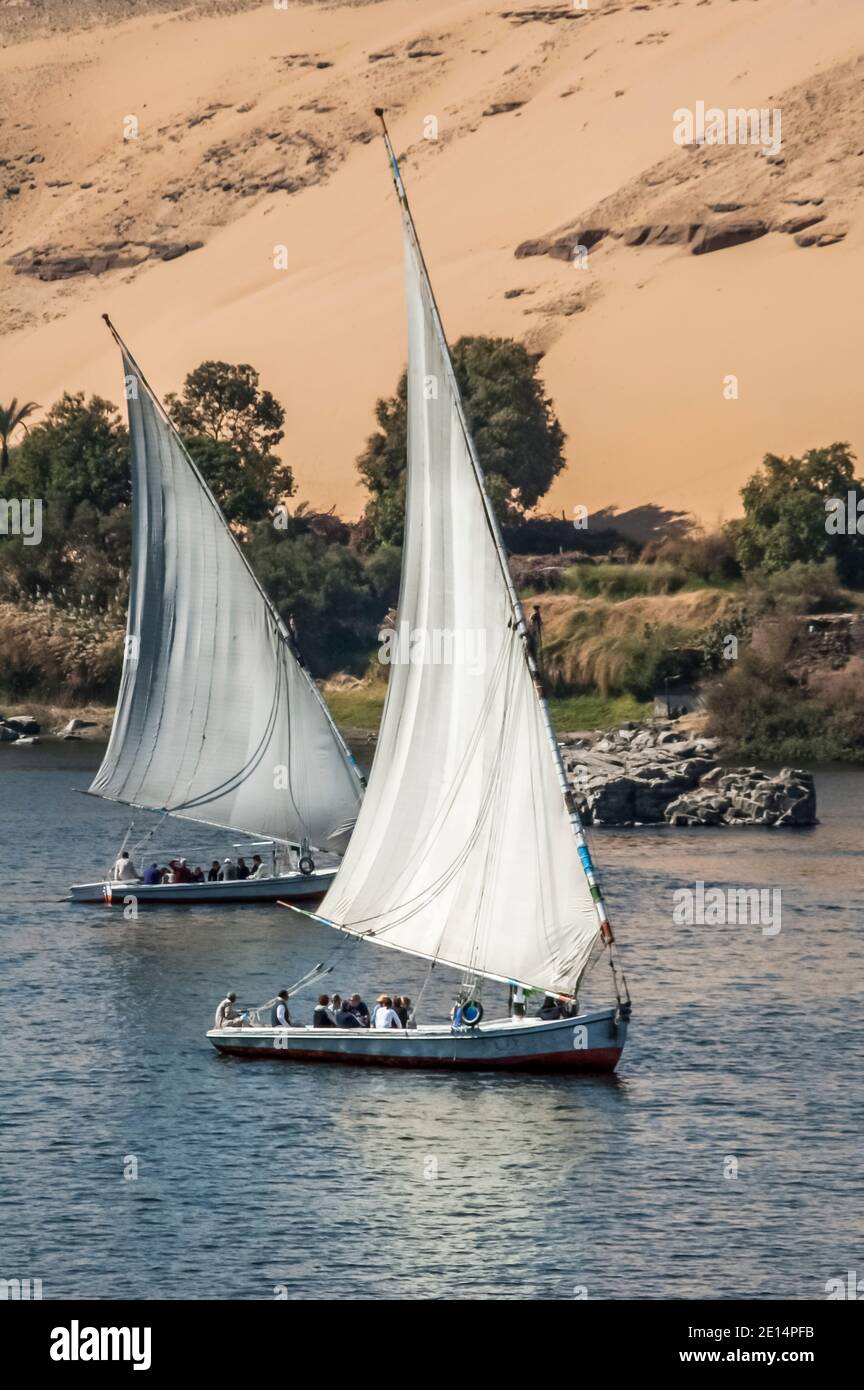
pixel 464 851
pixel 216 720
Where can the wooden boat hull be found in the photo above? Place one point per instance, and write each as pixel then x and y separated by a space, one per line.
pixel 289 887
pixel 590 1042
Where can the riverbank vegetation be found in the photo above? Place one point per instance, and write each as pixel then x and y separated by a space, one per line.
pixel 760 622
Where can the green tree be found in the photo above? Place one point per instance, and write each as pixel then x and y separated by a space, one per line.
pixel 518 438
pixel 231 427
pixel 78 453
pixel 785 513
pixel 11 417
pixel 324 588
pixel 76 462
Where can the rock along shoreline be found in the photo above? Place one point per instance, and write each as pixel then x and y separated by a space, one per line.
pixel 653 773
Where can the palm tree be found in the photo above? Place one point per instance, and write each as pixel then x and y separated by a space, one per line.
pixel 10 418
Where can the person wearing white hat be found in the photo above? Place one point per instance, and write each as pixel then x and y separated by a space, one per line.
pixel 228 870
pixel 182 872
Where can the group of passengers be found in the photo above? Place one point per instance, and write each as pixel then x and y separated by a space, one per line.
pixel 331 1011
pixel 179 871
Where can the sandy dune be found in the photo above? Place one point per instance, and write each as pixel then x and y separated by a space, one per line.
pixel 254 131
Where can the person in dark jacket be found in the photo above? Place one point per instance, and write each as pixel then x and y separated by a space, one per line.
pixel 213 872
pixel 356 1005
pixel 242 868
pixel 279 1016
pixel 345 1018
pixel 153 874
pixel 550 1009
pixel 321 1015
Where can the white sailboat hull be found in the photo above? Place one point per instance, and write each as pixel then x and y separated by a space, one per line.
pixel 291 887
pixel 591 1042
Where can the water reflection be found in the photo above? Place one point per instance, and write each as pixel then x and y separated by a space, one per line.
pixel 473 1186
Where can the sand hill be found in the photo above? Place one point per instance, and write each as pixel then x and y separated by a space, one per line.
pixel 154 158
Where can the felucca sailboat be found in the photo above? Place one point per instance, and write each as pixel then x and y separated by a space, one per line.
pixel 218 720
pixel 468 849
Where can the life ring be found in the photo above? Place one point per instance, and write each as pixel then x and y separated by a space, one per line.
pixel 472 1012
pixel 306 865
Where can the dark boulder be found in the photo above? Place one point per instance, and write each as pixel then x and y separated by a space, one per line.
pixel 719 236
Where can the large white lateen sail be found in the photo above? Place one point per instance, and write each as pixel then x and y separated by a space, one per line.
pixel 216 721
pixel 465 850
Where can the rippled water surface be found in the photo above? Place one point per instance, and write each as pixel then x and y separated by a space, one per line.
pixel 744 1047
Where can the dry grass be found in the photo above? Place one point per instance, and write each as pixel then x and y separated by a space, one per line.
pixel 842 689
pixel 598 644
pixel 45 649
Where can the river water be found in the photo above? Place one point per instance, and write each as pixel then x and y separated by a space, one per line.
pixel 724 1159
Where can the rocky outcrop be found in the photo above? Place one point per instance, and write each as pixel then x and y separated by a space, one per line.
pixel 21 723
pixel 700 237
pixel 746 796
pixel 502 108
pixel 826 642
pixel 542 16
pixel 825 236
pixel 18 728
pixel 719 236
pixel 48 263
pixel 80 728
pixel 647 774
pixel 662 234
pixel 562 248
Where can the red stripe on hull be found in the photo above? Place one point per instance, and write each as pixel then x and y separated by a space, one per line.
pixel 598 1059
pixel 180 902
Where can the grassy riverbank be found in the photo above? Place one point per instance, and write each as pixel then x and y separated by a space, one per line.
pixel 782 672
pixel 360 709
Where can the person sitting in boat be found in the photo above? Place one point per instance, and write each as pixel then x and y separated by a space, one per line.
pixel 226 1013
pixel 384 1015
pixel 358 1007
pixel 228 872
pixel 258 869
pixel 124 869
pixel 153 874
pixel 213 871
pixel 181 871
pixel 335 1004
pixel 198 874
pixel 550 1009
pixel 346 1017
pixel 409 1013
pixel 400 1009
pixel 321 1014
pixel 279 1016
pixel 242 868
